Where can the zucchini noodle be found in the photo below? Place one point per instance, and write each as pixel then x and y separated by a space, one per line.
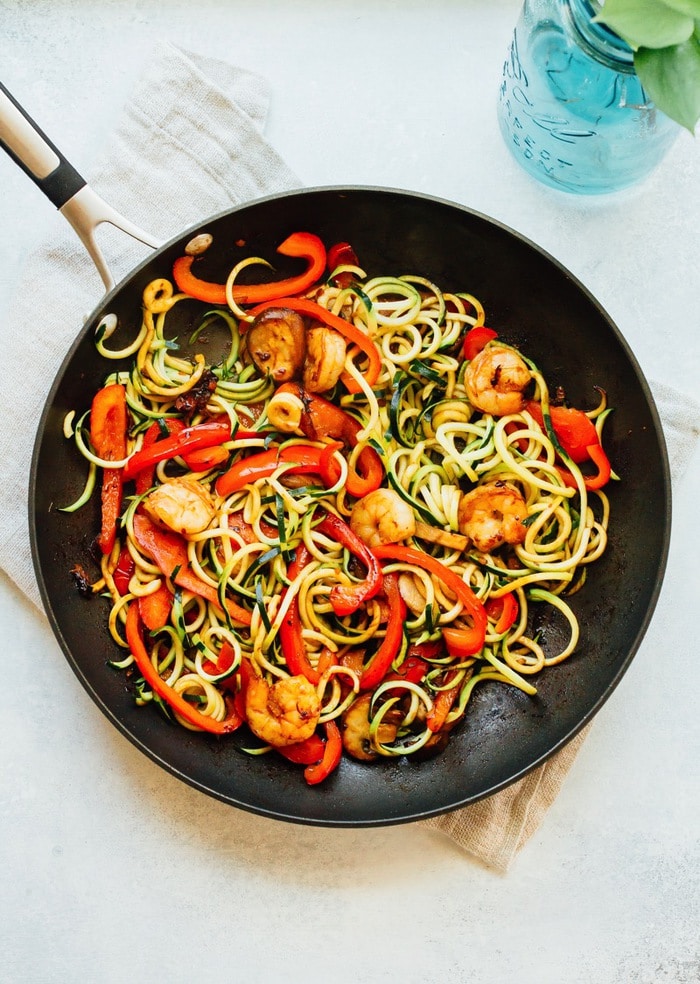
pixel 472 511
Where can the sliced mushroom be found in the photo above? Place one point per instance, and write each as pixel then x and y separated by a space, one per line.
pixel 276 342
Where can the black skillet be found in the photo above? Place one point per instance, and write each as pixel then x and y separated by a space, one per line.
pixel 533 302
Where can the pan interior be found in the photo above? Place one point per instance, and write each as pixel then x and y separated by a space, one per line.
pixel 535 304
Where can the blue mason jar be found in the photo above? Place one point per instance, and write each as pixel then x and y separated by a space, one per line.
pixel 571 107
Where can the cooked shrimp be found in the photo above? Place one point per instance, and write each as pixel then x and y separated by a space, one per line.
pixel 276 341
pixel 382 516
pixel 181 504
pixel 356 737
pixel 492 514
pixel 284 712
pixel 325 358
pixel 496 380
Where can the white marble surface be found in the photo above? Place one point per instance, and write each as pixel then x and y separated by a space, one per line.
pixel 112 871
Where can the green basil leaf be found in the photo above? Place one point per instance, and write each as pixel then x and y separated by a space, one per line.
pixel 672 79
pixel 647 23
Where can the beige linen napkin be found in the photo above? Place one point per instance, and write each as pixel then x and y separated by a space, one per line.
pixel 190 144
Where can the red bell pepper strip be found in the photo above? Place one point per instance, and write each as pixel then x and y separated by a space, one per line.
pixel 379 664
pixel 171 697
pixel 203 459
pixel 476 339
pixel 188 283
pixel 576 431
pixel 238 683
pixel 416 663
pixel 321 419
pixel 367 475
pixel 349 331
pixel 168 551
pixel 342 254
pixel 304 245
pixel 124 571
pixel 304 460
pixel 307 752
pixel 207 435
pixel 246 532
pixel 155 608
pixel 431 649
pixel 326 659
pixel 412 670
pixel 224 662
pixel 346 599
pixel 111 508
pixel 108 424
pixel 329 469
pixel 291 640
pixel 354 659
pixel 578 437
pixel 462 643
pixel 324 419
pixel 510 428
pixel 442 704
pixel 472 606
pixel 592 482
pixel 503 611
pixel 332 754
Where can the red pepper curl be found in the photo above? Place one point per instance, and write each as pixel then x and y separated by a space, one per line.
pixel 108 426
pixel 180 442
pixel 171 697
pixel 469 641
pixel 346 599
pixel 304 245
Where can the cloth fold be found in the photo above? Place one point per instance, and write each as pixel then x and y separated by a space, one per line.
pixel 495 828
pixel 191 144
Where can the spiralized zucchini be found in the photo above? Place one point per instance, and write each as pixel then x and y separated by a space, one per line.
pixel 435 447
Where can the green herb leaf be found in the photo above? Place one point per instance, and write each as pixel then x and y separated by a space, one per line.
pixel 648 23
pixel 672 79
pixel 260 602
pixel 689 7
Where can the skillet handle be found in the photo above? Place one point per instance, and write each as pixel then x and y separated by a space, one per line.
pixel 32 150
pixel 43 162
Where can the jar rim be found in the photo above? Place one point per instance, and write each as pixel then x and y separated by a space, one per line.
pixel 600 41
